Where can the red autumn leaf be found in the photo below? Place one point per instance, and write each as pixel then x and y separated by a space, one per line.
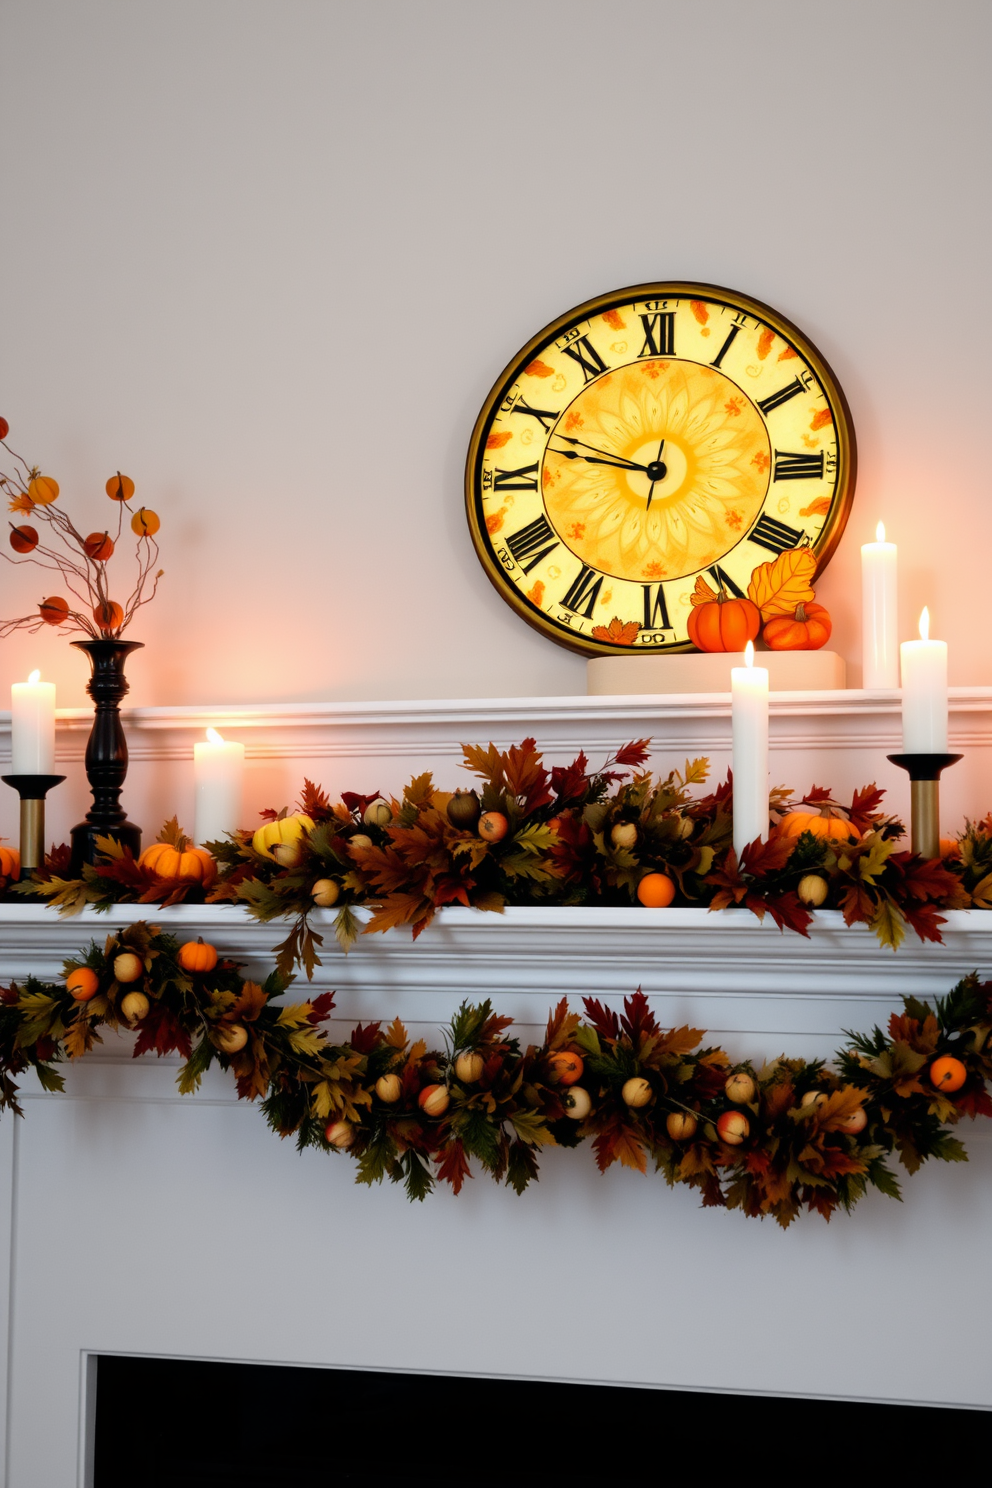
pixel 364 1038
pixel 974 1101
pixel 762 858
pixel 925 921
pixel 617 633
pixel 864 807
pixel 638 1021
pixel 634 754
pixel 603 1019
pixel 570 781
pixel 452 1167
pixel 356 803
pixel 448 889
pixel 617 1143
pixel 321 1007
pixel 315 803
pixel 925 878
pixel 161 1031
pixel 788 911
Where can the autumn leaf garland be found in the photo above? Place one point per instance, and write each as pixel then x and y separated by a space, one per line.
pixel 776 1140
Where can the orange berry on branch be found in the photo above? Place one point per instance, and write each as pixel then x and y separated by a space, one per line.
pixel 108 615
pixel 656 890
pixel 145 522
pixel 99 546
pixel 120 487
pixel 948 1073
pixel 43 490
pixel 733 1128
pixel 23 539
pixel 53 610
pixel 493 826
pixel 4 428
pixel 82 984
pixel 565 1067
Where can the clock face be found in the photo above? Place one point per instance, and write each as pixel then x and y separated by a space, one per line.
pixel 645 438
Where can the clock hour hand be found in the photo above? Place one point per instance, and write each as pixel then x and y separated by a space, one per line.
pixel 657 470
pixel 604 456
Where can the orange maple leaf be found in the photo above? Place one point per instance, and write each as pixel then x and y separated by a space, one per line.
pixel 817 508
pixel 790 351
pixel 765 343
pixel 778 587
pixel 819 420
pixel 539 369
pixel 495 521
pixel 497 441
pixel 536 595
pixel 615 320
pixel 21 504
pixel 703 593
pixel 617 633
pixel 700 311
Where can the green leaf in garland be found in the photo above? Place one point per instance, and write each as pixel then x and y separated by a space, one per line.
pixel 196 1066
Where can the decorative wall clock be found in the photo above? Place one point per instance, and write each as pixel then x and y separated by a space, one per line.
pixel 647 437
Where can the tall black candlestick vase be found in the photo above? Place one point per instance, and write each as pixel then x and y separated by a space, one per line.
pixel 106 753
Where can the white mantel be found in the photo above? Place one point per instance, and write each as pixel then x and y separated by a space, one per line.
pixel 143 1222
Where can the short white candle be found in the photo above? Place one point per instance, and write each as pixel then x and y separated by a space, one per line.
pixel 749 714
pixel 32 727
pixel 924 693
pixel 218 772
pixel 879 612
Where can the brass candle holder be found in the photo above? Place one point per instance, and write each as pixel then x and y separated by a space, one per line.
pixel 32 790
pixel 924 779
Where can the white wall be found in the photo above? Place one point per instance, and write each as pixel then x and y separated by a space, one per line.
pixel 268 259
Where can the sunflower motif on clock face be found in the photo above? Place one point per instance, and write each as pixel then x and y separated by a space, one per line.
pixel 643 439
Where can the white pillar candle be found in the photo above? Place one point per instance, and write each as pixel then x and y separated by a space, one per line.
pixel 218 772
pixel 924 693
pixel 879 612
pixel 32 727
pixel 749 714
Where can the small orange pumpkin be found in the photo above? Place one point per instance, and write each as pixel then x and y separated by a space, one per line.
pixel 197 955
pixel 565 1067
pixel 10 862
pixel 53 610
pixel 82 983
pixel 99 546
pixel 285 829
pixel 145 522
pixel 191 863
pixel 120 487
pixel 807 629
pixel 724 624
pixel 821 823
pixel 23 539
pixel 108 615
pixel 43 490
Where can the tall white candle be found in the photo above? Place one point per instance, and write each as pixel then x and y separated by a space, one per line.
pixel 218 773
pixel 749 714
pixel 879 612
pixel 32 727
pixel 924 693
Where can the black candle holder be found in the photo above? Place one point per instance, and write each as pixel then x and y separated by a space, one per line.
pixel 32 790
pixel 924 775
pixel 106 754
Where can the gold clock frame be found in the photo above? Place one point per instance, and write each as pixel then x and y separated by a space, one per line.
pixel 832 531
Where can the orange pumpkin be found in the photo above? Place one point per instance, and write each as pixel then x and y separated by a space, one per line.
pixel 99 546
pixel 197 955
pixel 656 891
pixel 724 624
pixel 43 490
pixel 53 610
pixel 10 862
pixel 108 615
pixel 82 984
pixel 192 863
pixel 821 823
pixel 565 1067
pixel 806 630
pixel 120 487
pixel 145 522
pixel 23 539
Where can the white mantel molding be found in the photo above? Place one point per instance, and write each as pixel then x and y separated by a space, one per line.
pixel 849 719
pixel 723 971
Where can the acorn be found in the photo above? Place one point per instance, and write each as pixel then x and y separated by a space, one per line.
pixel 681 1126
pixel 464 810
pixel 134 1006
pixel 577 1103
pixel 231 1038
pixel 389 1088
pixel 287 854
pixel 378 813
pixel 813 1100
pixel 636 1092
pixel 325 892
pixel 624 834
pixel 128 967
pixel 812 890
pixel 740 1088
pixel 360 840
pixel 469 1066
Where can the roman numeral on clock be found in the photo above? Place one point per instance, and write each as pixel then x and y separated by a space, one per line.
pixel 524 479
pixel 655 608
pixel 775 400
pixel 659 334
pixel 775 536
pixel 723 580
pixel 535 541
pixel 582 596
pixel 726 346
pixel 588 358
pixel 544 416
pixel 793 465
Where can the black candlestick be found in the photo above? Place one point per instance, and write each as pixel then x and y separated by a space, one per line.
pixel 32 790
pixel 106 753
pixel 924 775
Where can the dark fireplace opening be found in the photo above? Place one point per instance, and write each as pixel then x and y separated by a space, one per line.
pixel 167 1422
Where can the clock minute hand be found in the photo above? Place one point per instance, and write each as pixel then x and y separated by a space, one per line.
pixel 599 458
